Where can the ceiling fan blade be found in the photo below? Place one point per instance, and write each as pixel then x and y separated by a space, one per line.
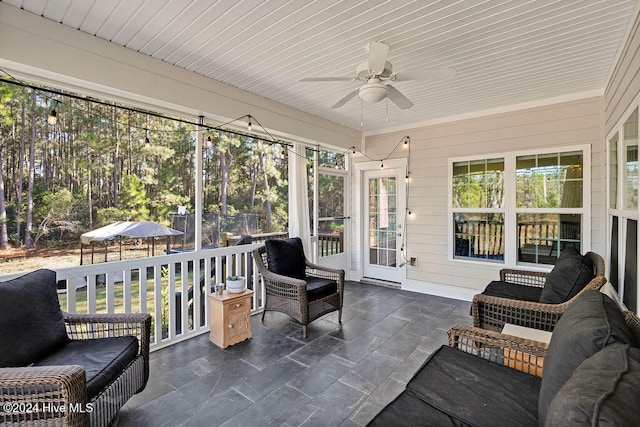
pixel 397 98
pixel 377 56
pixel 428 74
pixel 327 79
pixel 346 99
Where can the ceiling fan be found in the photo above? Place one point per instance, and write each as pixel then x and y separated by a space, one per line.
pixel 376 72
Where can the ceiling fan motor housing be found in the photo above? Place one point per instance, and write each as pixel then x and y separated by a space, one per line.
pixel 363 73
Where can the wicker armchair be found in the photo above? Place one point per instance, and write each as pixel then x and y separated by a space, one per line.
pixel 289 295
pixel 492 312
pixel 50 393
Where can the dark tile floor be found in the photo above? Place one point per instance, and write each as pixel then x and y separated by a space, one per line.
pixel 337 376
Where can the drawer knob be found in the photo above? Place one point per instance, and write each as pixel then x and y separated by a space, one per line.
pixel 230 326
pixel 237 304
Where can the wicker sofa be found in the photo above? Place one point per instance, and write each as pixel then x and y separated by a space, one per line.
pixel 65 369
pixel 537 299
pixel 590 376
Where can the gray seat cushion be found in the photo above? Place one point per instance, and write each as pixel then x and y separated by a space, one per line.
pixel 103 359
pixel 475 391
pixel 318 288
pixel 589 324
pixel 408 410
pixel 569 276
pixel 31 318
pixel 603 390
pixel 512 291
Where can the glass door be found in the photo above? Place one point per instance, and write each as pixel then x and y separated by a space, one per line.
pixel 384 209
pixel 331 219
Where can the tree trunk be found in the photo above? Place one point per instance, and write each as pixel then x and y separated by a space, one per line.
pixel 4 239
pixel 32 156
pixel 254 184
pixel 225 165
pixel 20 181
pixel 89 202
pixel 265 186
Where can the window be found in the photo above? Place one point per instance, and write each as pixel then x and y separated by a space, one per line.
pixel 478 209
pixel 548 188
pixel 519 208
pixel 622 215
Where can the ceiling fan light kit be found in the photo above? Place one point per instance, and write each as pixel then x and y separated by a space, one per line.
pixel 375 72
pixel 374 91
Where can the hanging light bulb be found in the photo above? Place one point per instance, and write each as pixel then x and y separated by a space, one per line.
pixel 381 164
pixel 249 127
pixel 406 141
pixel 209 141
pixel 53 115
pixel 147 143
pixel 283 153
pixel 354 150
pixel 406 178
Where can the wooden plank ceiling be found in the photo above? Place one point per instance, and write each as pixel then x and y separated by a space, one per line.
pixel 505 52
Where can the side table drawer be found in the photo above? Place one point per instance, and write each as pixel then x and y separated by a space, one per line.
pixel 238 305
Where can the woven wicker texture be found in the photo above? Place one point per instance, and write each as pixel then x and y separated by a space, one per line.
pixel 492 313
pixel 288 295
pixel 35 395
pixel 523 354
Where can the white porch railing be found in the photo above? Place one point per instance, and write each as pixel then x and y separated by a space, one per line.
pixel 157 285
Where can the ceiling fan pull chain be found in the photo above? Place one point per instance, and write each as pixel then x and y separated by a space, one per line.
pixel 386 119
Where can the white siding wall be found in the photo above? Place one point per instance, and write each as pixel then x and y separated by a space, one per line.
pixel 563 124
pixel 624 86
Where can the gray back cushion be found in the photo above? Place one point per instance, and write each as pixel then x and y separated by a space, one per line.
pixel 569 276
pixel 31 322
pixel 589 324
pixel 603 390
pixel 286 257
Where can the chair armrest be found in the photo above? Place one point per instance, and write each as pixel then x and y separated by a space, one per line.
pixel 523 277
pixel 492 313
pixel 498 348
pixel 35 395
pixel 316 270
pixel 89 326
pixel 285 286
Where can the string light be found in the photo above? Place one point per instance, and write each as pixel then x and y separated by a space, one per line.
pixel 249 127
pixel 147 143
pixel 53 115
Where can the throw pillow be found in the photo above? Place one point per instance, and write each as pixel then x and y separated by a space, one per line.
pixel 570 275
pixel 603 390
pixel 31 319
pixel 589 324
pixel 286 257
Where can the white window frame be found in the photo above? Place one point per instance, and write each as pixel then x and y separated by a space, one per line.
pixel 510 210
pixel 621 211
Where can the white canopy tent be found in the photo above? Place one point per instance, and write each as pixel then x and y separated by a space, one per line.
pixel 127 230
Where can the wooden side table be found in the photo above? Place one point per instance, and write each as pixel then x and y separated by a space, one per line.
pixel 534 364
pixel 230 318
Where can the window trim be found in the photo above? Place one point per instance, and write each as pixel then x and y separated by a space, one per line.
pixel 511 212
